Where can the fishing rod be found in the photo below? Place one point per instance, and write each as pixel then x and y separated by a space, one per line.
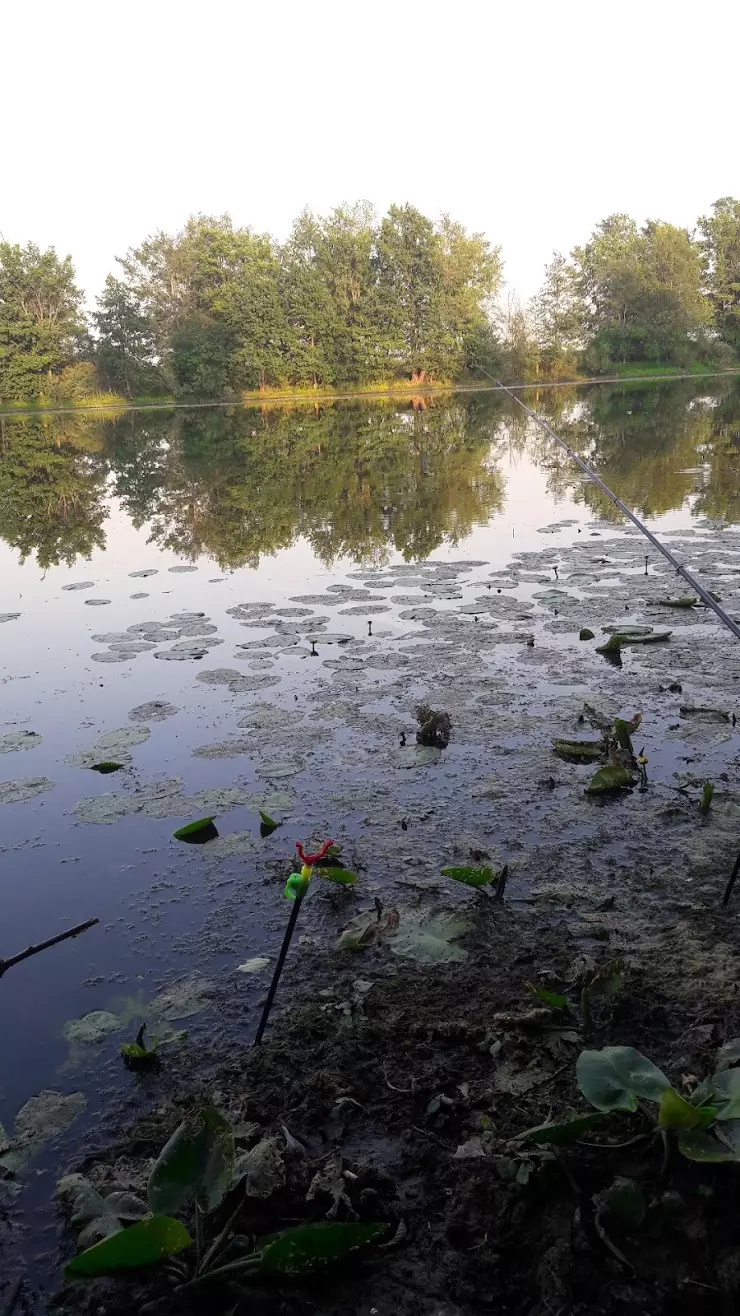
pixel 707 599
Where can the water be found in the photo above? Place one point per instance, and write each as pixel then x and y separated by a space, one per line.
pixel 267 506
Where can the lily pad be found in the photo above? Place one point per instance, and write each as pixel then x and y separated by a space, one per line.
pixel 181 655
pixel 92 1028
pixel 476 877
pixel 225 749
pixel 184 998
pixel 9 616
pixel 277 769
pixel 181 570
pixel 195 829
pixel 45 1116
pixel 155 711
pixel 578 751
pixel 97 603
pixel 612 778
pixel 80 584
pixel 415 756
pixel 256 965
pixel 428 938
pixel 112 656
pixel 623 639
pixel 14 740
pixel 16 792
pixel 141 575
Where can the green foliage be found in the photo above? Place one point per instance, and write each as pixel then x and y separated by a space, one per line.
pixel 679 1115
pixel 561 1131
pixel 137 1055
pixel 124 349
pixel 706 797
pixel 143 1244
pixel 194 829
pixel 616 1077
pixel 614 777
pixel 585 634
pixel 340 876
pixel 197 1162
pixel 41 320
pixel 622 639
pixel 306 1248
pixel 720 251
pixel 107 767
pixel 579 751
pixel 477 877
pixel 267 824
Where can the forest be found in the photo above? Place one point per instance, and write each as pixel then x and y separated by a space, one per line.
pixel 353 301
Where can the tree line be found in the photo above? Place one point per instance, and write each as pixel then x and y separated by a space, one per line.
pixel 352 300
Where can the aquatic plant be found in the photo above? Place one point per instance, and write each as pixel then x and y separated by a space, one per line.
pixel 197 1169
pixel 296 889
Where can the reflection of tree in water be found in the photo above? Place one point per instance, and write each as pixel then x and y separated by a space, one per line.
pixel 354 480
pixel 646 441
pixel 357 480
pixel 52 487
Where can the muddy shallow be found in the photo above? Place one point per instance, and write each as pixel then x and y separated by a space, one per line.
pixel 285 688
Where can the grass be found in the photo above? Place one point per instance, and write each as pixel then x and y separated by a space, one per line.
pixel 648 369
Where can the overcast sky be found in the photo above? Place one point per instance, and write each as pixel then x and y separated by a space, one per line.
pixel 529 121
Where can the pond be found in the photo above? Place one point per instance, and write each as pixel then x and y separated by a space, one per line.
pixel 243 608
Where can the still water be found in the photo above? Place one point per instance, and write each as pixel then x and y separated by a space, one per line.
pixel 186 558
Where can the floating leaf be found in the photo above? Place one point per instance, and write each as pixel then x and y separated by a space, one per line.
pixel 307 1247
pixel 197 1161
pixel 586 634
pixel 622 733
pixel 578 751
pixel 428 938
pixel 621 639
pixel 106 767
pixel 615 777
pixel 144 1244
pixel 267 824
pixel 624 1203
pixel 614 1078
pixel 195 830
pixel 563 1131
pixel 678 1114
pixel 342 876
pixel 470 876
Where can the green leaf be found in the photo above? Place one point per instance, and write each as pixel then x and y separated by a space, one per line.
pixel 267 824
pixel 706 797
pixel 613 778
pixel 702 1145
pixel 728 1055
pixel 726 1094
pixel 677 1114
pixel 106 767
pixel 197 1161
pixel 623 1202
pixel 553 999
pixel 143 1244
pixel 585 634
pixel 342 876
pixel 470 876
pixel 578 751
pixel 622 732
pixel 614 1078
pixel 193 828
pixel 563 1131
pixel 307 1247
pixel 623 638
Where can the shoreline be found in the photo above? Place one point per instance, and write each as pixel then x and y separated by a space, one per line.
pixel 257 399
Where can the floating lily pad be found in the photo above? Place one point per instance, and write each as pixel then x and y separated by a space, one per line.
pixel 196 831
pixel 415 756
pixel 16 792
pixel 155 711
pixel 328 637
pixel 256 965
pixel 181 655
pixel 92 1028
pixel 112 656
pixel 80 584
pixel 365 610
pixel 612 778
pixel 138 596
pixel 224 749
pixel 428 938
pixel 106 767
pixel 141 575
pixel 97 603
pixel 181 570
pixel 14 740
pixel 184 998
pixel 279 768
pixel 9 616
pixel 45 1116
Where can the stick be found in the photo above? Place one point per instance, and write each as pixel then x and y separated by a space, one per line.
pixel 278 968
pixel 731 883
pixel 44 945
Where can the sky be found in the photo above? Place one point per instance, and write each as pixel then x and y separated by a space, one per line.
pixel 528 121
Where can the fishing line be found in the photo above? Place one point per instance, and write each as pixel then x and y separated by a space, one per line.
pixel 706 598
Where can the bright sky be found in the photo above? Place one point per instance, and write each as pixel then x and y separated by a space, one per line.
pixel 528 121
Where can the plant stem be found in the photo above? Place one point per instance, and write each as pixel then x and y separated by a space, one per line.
pixel 44 945
pixel 278 968
pixel 498 894
pixel 731 883
pixel 218 1243
pixel 198 1235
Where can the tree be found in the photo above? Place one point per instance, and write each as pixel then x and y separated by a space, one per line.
pixel 558 317
pixel 125 351
pixel 410 290
pixel 720 248
pixel 41 320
